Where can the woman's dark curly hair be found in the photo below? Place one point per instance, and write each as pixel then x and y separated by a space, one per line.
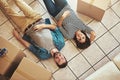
pixel 84 45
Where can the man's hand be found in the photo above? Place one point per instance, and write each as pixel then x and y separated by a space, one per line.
pixel 38 27
pixel 44 26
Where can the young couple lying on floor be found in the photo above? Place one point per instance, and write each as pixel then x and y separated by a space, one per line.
pixel 44 39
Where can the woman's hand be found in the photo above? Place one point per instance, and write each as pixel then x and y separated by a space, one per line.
pixel 92 36
pixel 66 14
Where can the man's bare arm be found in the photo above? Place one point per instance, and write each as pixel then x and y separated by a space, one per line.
pixel 44 26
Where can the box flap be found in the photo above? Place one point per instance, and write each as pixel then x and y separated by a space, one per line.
pixel 103 4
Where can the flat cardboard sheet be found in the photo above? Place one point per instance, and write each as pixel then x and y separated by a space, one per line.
pixel 29 70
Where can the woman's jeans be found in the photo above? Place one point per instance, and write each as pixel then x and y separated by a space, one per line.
pixel 55 7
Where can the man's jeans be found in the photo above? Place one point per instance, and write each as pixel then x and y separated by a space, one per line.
pixel 55 7
pixel 22 22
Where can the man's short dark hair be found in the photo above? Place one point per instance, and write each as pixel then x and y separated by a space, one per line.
pixel 84 45
pixel 63 65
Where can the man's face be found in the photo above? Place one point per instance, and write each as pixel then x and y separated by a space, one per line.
pixel 80 36
pixel 59 58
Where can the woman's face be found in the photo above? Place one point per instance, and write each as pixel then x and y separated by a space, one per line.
pixel 80 36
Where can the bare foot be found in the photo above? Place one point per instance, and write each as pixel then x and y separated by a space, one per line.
pixel 16 34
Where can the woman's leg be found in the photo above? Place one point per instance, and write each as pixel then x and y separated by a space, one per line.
pixel 51 7
pixel 61 3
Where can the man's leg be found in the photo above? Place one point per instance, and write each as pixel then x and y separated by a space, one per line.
pixel 27 10
pixel 51 7
pixel 19 20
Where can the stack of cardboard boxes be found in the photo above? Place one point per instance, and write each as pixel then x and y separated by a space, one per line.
pixel 15 64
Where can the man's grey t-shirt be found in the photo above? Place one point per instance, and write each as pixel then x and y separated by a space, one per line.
pixel 71 23
pixel 42 38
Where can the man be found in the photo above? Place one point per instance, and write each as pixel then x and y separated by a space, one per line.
pixel 44 40
pixel 69 24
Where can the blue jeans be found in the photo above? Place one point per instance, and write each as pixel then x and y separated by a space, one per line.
pixel 55 7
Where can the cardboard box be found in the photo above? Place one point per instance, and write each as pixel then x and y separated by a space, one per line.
pixel 9 61
pixel 29 70
pixel 93 8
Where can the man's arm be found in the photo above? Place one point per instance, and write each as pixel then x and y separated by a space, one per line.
pixel 41 53
pixel 19 38
pixel 60 21
pixel 44 26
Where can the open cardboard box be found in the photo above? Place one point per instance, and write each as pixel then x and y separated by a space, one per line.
pixel 29 70
pixel 10 61
pixel 93 8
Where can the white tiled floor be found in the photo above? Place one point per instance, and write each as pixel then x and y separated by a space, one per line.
pixel 81 63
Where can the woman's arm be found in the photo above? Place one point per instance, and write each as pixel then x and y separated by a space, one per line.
pixel 65 14
pixel 92 36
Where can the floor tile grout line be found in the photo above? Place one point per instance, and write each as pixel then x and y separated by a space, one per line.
pixel 86 71
pixel 113 4
pixel 42 63
pixel 96 62
pixel 109 51
pixel 108 30
pixel 74 57
pixel 99 61
pixel 114 36
pixel 115 13
pixel 39 4
pixel 100 48
pixel 113 50
pixel 72 72
pixel 103 33
pixel 111 26
pixel 86 59
pixel 3 22
pixel 91 21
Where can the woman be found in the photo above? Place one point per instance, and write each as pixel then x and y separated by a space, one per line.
pixel 69 24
